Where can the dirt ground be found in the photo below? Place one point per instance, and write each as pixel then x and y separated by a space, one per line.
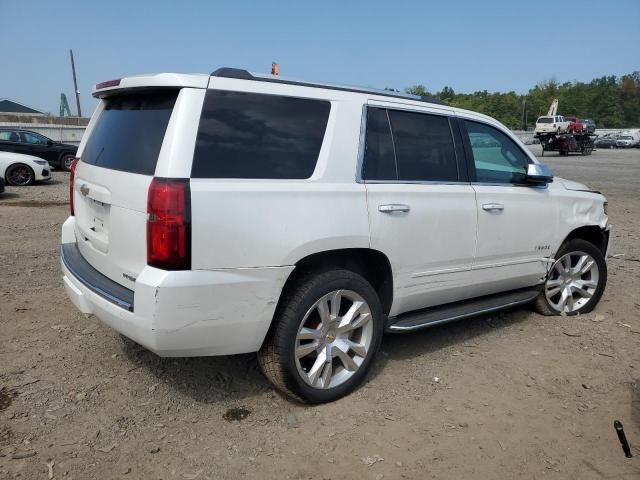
pixel 512 395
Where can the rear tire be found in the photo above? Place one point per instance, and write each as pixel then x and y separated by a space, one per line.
pixel 66 160
pixel 579 274
pixel 325 334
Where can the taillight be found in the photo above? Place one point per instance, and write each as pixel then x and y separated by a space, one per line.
pixel 169 224
pixel 72 177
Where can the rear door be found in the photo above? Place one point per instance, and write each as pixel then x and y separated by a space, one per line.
pixel 10 141
pixel 117 163
pixel 515 227
pixel 36 145
pixel 422 211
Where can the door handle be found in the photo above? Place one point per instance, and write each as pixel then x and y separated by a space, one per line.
pixel 394 207
pixel 493 207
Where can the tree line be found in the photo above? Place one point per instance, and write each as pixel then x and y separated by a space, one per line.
pixel 610 101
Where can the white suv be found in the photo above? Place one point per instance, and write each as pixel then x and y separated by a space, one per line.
pixel 555 124
pixel 234 212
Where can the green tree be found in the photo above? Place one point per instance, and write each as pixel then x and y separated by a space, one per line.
pixel 610 101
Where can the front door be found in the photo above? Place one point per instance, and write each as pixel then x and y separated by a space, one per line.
pixel 422 214
pixel 515 231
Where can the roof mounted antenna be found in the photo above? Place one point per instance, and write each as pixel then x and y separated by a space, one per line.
pixel 274 69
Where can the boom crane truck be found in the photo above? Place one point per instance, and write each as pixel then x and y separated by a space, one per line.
pixel 559 138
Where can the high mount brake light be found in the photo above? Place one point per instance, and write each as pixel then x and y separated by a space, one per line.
pixel 108 83
pixel 169 224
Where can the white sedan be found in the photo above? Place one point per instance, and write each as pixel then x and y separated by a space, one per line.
pixel 19 170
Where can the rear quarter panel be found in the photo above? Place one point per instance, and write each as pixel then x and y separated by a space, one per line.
pixel 265 223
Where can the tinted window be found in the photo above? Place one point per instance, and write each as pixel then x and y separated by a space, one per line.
pixel 33 139
pixel 249 135
pixel 424 147
pixel 545 120
pixel 497 158
pixel 379 159
pixel 10 136
pixel 129 132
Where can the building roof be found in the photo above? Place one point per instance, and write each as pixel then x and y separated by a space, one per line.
pixel 11 106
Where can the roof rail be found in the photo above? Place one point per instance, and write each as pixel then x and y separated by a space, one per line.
pixel 242 74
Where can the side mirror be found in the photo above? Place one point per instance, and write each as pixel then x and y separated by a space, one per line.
pixel 538 174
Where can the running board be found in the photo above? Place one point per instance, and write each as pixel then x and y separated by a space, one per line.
pixel 428 317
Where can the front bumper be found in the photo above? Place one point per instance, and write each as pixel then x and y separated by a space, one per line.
pixel 43 173
pixel 179 313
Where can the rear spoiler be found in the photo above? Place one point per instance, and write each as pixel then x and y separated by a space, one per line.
pixel 160 80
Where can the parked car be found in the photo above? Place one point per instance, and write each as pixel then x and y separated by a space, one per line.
pixel 20 170
pixel 235 212
pixel 556 124
pixel 60 155
pixel 628 140
pixel 589 125
pixel 575 125
pixel 605 142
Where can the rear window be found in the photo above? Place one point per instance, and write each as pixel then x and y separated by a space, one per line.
pixel 250 135
pixel 545 120
pixel 129 132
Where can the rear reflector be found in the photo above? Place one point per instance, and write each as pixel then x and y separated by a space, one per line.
pixel 169 224
pixel 72 177
pixel 108 83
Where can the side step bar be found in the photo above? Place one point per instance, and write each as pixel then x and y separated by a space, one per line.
pixel 428 317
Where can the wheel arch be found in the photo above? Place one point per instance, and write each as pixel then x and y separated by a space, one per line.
pixel 371 264
pixel 65 152
pixel 592 234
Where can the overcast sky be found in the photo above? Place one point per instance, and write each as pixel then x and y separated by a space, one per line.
pixel 468 45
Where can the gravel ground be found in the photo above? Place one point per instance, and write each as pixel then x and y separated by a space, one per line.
pixel 512 395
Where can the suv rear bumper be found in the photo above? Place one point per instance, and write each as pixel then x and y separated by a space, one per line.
pixel 182 313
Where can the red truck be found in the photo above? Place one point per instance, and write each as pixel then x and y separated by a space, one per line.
pixel 575 125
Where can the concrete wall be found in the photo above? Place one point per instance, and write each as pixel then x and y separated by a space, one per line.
pixel 73 133
pixel 60 129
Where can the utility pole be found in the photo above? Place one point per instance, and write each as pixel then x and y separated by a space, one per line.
pixel 75 83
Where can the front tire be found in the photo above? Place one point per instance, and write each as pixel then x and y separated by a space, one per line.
pixel 20 175
pixel 325 334
pixel 576 281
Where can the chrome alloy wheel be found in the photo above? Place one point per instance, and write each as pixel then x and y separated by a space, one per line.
pixel 572 281
pixel 333 340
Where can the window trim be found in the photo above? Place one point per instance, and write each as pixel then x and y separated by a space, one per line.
pixel 471 165
pixel 461 167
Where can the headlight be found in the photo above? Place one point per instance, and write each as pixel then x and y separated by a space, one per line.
pixel 41 162
pixel 605 207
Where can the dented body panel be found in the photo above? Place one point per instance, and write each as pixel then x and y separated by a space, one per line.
pixel 447 242
pixel 575 206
